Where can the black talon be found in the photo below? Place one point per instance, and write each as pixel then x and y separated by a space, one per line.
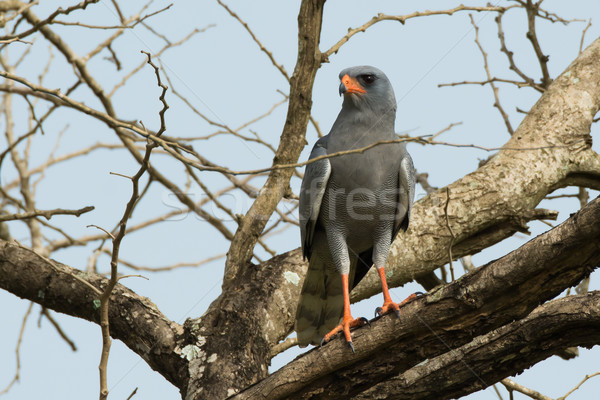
pixel 398 315
pixel 365 321
pixel 378 311
pixel 322 342
pixel 351 347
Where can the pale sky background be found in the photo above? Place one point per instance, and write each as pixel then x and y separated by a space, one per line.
pixel 223 74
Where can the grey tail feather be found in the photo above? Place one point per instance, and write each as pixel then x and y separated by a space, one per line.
pixel 321 303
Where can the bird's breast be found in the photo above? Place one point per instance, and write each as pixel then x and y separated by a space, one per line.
pixel 360 200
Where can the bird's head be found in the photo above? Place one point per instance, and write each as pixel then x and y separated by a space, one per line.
pixel 367 88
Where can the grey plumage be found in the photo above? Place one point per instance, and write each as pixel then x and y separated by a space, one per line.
pixel 351 206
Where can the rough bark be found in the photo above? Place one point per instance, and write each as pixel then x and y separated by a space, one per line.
pixel 494 295
pixel 552 327
pixel 134 319
pixel 234 337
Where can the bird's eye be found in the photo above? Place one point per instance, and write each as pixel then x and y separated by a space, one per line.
pixel 368 79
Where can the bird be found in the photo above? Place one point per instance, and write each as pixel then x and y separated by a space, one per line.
pixel 352 206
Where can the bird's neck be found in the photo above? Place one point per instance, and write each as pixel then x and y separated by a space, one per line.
pixel 373 126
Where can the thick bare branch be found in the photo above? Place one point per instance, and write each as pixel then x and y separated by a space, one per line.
pixel 493 295
pixel 571 321
pixel 135 320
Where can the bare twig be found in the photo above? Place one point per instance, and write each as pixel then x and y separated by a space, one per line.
pixel 168 267
pixel 15 378
pixel 532 11
pixel 583 35
pixel 510 57
pixel 497 392
pixel 110 235
pixel 48 214
pixel 511 385
pixel 283 346
pixel 585 379
pixel 262 48
pixel 490 79
pixel 452 236
pixel 129 25
pixel 164 88
pixel 132 394
pixel 82 5
pixel 487 82
pixel 59 330
pixel 116 242
pixel 402 19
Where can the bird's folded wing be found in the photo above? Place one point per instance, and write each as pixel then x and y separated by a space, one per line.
pixel 311 194
pixel 406 192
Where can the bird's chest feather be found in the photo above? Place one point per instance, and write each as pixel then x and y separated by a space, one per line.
pixel 361 195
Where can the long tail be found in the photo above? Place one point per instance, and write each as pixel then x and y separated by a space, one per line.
pixel 321 303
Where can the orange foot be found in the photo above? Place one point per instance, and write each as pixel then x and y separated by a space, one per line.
pixel 345 326
pixel 389 305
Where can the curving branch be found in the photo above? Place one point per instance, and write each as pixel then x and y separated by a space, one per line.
pixel 134 319
pixel 403 18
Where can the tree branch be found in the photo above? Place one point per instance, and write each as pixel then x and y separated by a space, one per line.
pixel 570 321
pixel 135 320
pixel 48 214
pixel 402 19
pixel 493 295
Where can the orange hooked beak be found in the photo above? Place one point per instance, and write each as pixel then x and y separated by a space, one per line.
pixel 351 85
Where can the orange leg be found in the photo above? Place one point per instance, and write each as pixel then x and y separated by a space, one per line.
pixel 388 304
pixel 347 322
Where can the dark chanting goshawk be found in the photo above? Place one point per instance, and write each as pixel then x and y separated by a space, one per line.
pixel 352 206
